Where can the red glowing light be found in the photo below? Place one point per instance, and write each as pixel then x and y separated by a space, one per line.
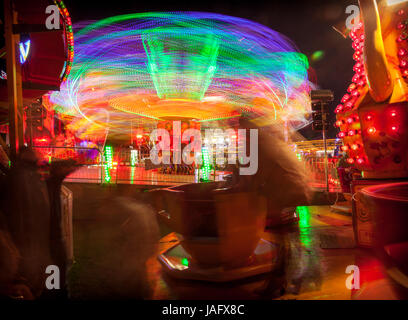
pixel 339 108
pixel 354 146
pixel 361 83
pixel 355 78
pixel 350 160
pixel 345 98
pixel 355 93
pixel 371 130
pixel 369 117
pixel 402 52
pixel 360 161
pixel 351 87
pixel 349 105
pixel 393 128
pixel 357 67
pixel 350 120
pixel 339 123
pixel 351 133
pixel 341 134
pixel 344 148
pixel 393 113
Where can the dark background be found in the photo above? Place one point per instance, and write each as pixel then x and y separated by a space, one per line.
pixel 308 23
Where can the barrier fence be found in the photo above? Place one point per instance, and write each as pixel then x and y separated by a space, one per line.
pixel 314 166
pixel 128 166
pixel 124 167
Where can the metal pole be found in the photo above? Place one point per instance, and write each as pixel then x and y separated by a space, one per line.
pixel 326 168
pixel 14 84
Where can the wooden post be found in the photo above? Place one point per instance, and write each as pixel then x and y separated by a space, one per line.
pixel 14 82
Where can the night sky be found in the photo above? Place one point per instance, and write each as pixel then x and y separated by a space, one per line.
pixel 307 23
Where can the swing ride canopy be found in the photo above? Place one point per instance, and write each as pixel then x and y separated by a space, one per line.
pixel 146 67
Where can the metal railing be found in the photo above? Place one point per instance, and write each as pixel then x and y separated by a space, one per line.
pixel 315 168
pixel 94 168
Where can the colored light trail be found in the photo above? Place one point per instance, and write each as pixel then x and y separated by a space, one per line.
pixel 146 67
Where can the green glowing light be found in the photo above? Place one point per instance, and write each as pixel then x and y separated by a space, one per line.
pixel 108 162
pixel 184 262
pixel 304 216
pixel 132 175
pixel 317 55
pixel 304 226
pixel 206 166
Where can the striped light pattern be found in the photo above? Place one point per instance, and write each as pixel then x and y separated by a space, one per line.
pixel 147 67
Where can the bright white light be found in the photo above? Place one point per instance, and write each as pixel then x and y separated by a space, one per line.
pixel 213 98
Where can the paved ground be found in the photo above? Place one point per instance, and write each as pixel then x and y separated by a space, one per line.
pixel 322 246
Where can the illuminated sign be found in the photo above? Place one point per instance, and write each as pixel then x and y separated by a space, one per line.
pixel 24 50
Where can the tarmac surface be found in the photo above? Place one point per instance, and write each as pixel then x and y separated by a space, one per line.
pixel 322 247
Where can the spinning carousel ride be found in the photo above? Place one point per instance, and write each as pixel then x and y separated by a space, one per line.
pixel 205 69
pixel 148 67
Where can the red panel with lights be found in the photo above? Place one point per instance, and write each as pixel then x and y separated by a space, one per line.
pixel 375 135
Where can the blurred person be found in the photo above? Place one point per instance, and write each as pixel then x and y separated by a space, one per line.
pixel 27 215
pixel 32 217
pixel 58 171
pixel 9 260
pixel 127 232
pixel 282 180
